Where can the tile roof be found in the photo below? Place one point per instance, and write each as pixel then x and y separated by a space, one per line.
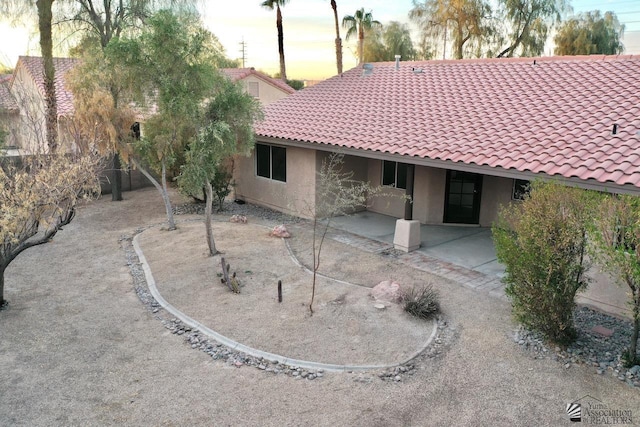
pixel 7 101
pixel 35 67
pixel 549 115
pixel 236 74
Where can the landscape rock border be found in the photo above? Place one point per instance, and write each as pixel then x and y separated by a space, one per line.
pixel 590 349
pixel 231 355
pixel 582 352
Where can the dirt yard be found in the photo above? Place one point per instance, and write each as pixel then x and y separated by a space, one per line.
pixel 77 347
pixel 345 328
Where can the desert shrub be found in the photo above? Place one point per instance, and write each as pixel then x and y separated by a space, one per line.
pixel 616 246
pixel 221 186
pixel 422 302
pixel 542 242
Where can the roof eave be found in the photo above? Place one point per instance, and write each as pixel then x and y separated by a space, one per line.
pixel 590 184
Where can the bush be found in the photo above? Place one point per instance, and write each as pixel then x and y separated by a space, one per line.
pixel 617 248
pixel 422 302
pixel 221 185
pixel 542 242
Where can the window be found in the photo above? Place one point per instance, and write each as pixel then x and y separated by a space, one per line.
pixel 271 162
pixel 135 131
pixel 520 189
pixel 394 174
pixel 253 89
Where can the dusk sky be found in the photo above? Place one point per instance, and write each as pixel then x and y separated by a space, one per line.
pixel 308 32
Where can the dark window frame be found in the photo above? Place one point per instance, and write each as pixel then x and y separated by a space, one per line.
pixel 520 189
pixel 276 162
pixel 399 172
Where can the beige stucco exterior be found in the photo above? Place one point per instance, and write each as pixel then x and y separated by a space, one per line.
pixel 429 195
pixel 28 127
pixel 10 123
pixel 496 191
pixel 298 196
pixel 295 196
pixel 31 132
pixel 267 93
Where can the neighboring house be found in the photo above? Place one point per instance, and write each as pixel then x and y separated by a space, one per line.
pixel 23 95
pixel 22 98
pixel 473 131
pixel 9 115
pixel 259 85
pixel 22 105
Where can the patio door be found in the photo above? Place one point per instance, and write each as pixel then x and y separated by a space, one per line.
pixel 462 197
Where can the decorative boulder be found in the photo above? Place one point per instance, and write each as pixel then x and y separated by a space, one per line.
pixel 387 291
pixel 239 219
pixel 280 231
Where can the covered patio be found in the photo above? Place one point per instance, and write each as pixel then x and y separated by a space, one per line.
pixel 471 247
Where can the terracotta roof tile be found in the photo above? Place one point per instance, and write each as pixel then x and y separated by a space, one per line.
pixel 555 117
pixel 34 65
pixel 236 74
pixel 7 101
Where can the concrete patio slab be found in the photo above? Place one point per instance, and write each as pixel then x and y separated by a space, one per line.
pixel 471 248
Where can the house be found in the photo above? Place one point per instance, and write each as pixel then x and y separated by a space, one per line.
pixel 9 115
pixel 259 85
pixel 469 134
pixel 22 111
pixel 22 103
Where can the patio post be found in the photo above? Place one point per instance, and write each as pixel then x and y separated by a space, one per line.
pixel 407 235
pixel 408 203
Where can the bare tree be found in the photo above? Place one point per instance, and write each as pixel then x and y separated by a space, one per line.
pixel 465 20
pixel 38 196
pixel 337 193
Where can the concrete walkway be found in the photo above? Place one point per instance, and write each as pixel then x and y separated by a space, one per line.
pixel 464 254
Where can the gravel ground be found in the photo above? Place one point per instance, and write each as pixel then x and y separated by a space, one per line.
pixel 602 353
pixel 77 347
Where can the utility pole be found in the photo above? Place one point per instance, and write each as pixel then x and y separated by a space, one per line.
pixel 243 51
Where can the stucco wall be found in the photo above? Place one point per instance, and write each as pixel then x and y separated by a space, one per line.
pixel 390 201
pixel 358 165
pixel 267 93
pixel 32 111
pixel 296 196
pixel 495 191
pixel 10 123
pixel 428 195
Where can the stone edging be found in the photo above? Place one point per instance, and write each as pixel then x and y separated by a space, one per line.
pixel 235 346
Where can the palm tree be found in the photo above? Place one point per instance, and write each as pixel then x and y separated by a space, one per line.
pixel 46 46
pixel 358 24
pixel 269 4
pixel 338 39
